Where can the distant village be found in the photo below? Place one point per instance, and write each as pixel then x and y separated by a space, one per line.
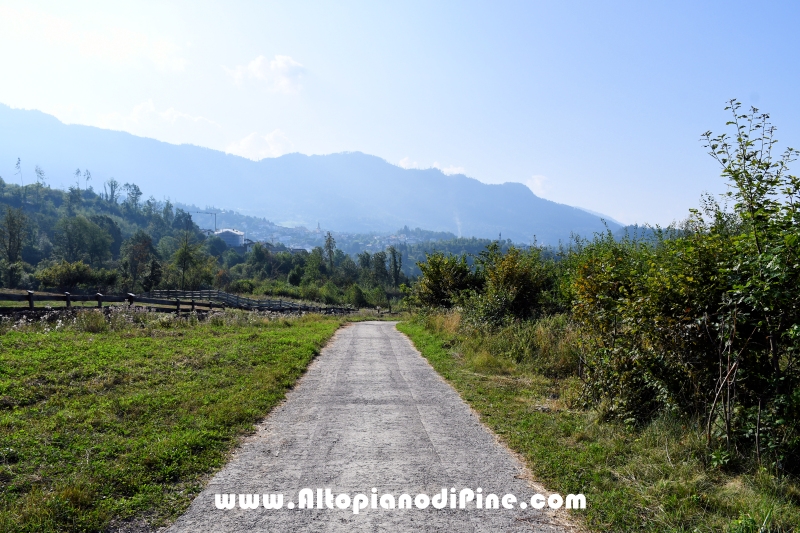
pixel 309 239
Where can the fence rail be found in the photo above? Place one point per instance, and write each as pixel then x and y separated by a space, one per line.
pixel 179 300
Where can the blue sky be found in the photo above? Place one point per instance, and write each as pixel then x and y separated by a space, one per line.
pixel 594 104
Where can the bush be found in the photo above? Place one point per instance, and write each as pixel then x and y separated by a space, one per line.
pixel 330 293
pixel 444 278
pixel 355 296
pixel 241 286
pixel 295 276
pixel 66 275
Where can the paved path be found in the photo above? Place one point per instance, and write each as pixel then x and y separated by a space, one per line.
pixel 370 412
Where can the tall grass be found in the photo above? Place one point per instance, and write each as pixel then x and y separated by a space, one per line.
pixel 525 381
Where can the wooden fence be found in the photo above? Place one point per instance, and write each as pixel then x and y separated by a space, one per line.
pixel 177 301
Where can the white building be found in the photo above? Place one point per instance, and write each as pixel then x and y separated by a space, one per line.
pixel 231 237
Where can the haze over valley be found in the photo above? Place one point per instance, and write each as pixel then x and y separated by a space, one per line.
pixel 345 192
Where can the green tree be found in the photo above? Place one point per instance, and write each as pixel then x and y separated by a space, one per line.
pixel 395 265
pixel 314 267
pixel 134 194
pixel 78 238
pixel 330 249
pixel 187 256
pixel 13 231
pixel 112 228
pixel 153 276
pixel 380 274
pixel 137 252
pixel 74 200
pixel 111 188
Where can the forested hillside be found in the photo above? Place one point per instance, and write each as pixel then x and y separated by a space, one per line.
pixel 116 241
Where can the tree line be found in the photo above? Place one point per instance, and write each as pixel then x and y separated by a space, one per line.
pixel 114 240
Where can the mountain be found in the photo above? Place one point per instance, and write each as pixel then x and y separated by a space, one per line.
pixel 348 192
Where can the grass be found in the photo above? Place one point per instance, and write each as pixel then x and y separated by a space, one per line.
pixel 655 478
pixel 106 419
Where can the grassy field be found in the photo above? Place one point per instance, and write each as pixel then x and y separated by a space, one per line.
pixel 106 419
pixel 655 479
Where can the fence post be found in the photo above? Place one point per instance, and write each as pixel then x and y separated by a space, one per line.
pixel 192 305
pixel 99 299
pixel 67 298
pixel 178 306
pixel 30 299
pixel 131 296
pixel 210 306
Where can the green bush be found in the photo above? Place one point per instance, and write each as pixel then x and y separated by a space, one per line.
pixel 66 275
pixel 444 278
pixel 241 286
pixel 355 296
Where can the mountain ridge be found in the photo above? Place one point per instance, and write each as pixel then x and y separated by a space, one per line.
pixel 348 191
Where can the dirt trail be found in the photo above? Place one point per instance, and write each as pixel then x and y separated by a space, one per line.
pixel 370 412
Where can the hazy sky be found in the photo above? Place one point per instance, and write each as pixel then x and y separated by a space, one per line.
pixel 594 104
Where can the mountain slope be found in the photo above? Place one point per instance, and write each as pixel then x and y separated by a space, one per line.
pixel 350 192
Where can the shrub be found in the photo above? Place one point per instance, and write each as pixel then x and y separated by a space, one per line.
pixel 355 296
pixel 444 278
pixel 66 275
pixel 241 286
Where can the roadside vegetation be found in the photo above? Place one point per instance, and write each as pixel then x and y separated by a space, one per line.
pixel 110 417
pixel 657 373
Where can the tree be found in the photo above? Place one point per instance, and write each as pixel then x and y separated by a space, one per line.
pixel 330 249
pixel 74 200
pixel 315 266
pixel 153 277
pixel 98 243
pixel 182 221
pixel 168 214
pixel 134 195
pixel 215 246
pixel 13 231
pixel 379 272
pixel 364 260
pixel 111 192
pixel 18 168
pixel 136 254
pixel 113 229
pixel 187 256
pixel 395 265
pixel 77 238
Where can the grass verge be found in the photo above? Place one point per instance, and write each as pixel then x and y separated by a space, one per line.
pixel 108 419
pixel 655 478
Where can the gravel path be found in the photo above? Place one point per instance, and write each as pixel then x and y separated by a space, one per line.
pixel 370 412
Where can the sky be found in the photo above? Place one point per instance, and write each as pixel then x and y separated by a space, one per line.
pixel 600 105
